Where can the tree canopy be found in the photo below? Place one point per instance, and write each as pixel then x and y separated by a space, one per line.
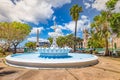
pixel 74 12
pixel 115 23
pixel 68 40
pixel 111 4
pixel 12 33
pixel 106 23
pixel 30 45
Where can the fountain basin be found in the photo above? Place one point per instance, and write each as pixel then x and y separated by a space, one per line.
pixel 54 52
pixel 32 60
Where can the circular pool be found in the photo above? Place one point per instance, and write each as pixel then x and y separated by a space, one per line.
pixel 33 60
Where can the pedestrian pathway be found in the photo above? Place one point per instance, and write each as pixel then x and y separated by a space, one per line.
pixel 106 69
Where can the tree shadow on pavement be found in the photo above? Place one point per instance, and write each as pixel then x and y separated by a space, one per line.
pixel 2 68
pixel 3 73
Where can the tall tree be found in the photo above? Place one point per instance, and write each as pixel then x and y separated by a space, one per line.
pixel 70 40
pixel 103 23
pixel 113 17
pixel 21 32
pixel 111 4
pixel 50 40
pixel 115 23
pixel 95 40
pixel 13 33
pixel 63 41
pixel 75 10
pixel 5 38
pixel 101 26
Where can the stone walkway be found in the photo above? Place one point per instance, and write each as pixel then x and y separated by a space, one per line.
pixel 106 69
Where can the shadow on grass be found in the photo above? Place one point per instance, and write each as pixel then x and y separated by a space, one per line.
pixel 3 73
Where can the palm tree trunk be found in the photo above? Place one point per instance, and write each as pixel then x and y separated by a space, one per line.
pixel 106 49
pixel 75 35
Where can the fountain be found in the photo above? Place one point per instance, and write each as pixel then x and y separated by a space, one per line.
pixel 54 51
pixel 53 57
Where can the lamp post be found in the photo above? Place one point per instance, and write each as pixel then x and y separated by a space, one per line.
pixel 37 43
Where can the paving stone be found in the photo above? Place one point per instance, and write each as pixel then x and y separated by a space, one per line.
pixel 106 69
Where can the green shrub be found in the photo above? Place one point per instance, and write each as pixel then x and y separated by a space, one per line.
pixel 118 52
pixel 95 52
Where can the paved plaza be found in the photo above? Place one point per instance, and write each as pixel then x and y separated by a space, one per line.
pixel 106 69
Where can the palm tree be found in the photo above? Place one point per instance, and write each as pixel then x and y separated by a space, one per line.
pixel 107 23
pixel 95 40
pixel 102 28
pixel 115 24
pixel 74 12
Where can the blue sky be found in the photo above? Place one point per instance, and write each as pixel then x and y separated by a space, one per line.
pixel 41 14
pixel 63 17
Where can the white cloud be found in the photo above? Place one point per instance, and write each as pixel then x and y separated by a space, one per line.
pixel 54 17
pixel 58 32
pixel 34 30
pixel 33 11
pixel 101 5
pixel 34 39
pixel 70 26
pixel 83 17
pixel 87 5
pixel 117 7
pixel 58 3
pixel 52 34
pixel 59 27
pixel 83 23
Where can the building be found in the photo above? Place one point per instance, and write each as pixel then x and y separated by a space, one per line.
pixel 44 43
pixel 79 44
